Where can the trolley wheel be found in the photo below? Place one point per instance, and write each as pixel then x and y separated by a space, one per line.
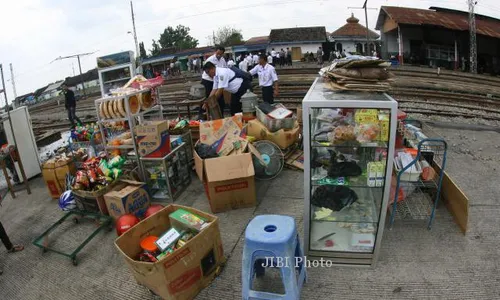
pixel 75 220
pixel 44 250
pixel 75 262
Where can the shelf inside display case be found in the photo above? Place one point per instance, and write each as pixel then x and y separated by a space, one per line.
pixel 364 209
pixel 342 237
pixel 374 144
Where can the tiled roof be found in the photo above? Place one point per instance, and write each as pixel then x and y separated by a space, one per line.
pixel 298 34
pixel 258 40
pixel 353 29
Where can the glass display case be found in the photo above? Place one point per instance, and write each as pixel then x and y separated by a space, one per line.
pixel 169 176
pixel 348 156
pixel 115 70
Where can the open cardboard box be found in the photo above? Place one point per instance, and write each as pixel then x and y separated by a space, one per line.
pixel 185 272
pixel 229 181
pixel 282 138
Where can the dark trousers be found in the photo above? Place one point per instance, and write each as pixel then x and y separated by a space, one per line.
pixel 268 94
pixel 5 239
pixel 209 85
pixel 235 98
pixel 289 60
pixel 72 116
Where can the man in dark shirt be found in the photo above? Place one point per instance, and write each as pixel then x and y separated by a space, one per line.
pixel 8 244
pixel 70 104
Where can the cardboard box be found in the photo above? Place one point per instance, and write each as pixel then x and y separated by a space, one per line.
pixel 273 124
pixel 229 181
pixel 153 139
pixel 299 115
pixel 127 196
pixel 185 272
pixel 282 138
pixel 221 133
pixel 54 174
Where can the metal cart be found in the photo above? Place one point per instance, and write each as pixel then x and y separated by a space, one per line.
pixel 77 217
pixel 417 189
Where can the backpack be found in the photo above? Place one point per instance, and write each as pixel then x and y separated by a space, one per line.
pixel 240 74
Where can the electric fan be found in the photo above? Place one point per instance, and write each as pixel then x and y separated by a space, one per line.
pixel 271 160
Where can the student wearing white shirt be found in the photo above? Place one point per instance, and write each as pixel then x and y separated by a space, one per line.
pixel 227 80
pixel 268 79
pixel 270 59
pixel 255 59
pixel 249 60
pixel 230 63
pixel 243 65
pixel 218 60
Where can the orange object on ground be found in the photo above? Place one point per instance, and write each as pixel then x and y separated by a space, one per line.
pixel 148 244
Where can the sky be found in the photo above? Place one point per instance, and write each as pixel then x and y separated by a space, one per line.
pixel 35 32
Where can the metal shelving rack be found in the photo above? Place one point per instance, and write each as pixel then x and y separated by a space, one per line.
pixel 132 119
pixel 419 197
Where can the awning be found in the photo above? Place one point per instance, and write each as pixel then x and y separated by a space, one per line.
pixel 154 60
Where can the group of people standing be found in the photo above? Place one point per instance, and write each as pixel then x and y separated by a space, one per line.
pixel 282 57
pixel 221 78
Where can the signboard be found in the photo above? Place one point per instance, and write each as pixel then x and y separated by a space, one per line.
pixel 115 59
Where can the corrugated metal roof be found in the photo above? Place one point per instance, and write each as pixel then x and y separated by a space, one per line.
pixel 353 29
pixel 449 19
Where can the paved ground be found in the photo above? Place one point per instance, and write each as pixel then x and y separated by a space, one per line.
pixel 414 263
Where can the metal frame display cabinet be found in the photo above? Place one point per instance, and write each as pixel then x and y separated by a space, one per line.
pixel 170 175
pixel 349 142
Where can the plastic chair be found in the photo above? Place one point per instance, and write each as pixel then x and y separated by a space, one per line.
pixel 273 238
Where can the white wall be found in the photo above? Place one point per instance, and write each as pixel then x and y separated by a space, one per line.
pixel 304 47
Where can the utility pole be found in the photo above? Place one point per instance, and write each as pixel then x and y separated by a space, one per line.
pixel 79 66
pixel 213 35
pixel 365 7
pixel 73 66
pixel 472 32
pixel 137 50
pixel 13 82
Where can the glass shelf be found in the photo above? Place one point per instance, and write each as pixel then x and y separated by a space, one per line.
pixel 358 181
pixel 342 237
pixel 350 145
pixel 364 210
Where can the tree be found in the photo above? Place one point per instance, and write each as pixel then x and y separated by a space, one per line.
pixel 178 38
pixel 142 50
pixel 227 36
pixel 155 48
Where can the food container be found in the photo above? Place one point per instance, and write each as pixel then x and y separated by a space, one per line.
pixel 274 124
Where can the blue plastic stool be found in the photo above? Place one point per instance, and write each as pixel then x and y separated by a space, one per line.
pixel 273 237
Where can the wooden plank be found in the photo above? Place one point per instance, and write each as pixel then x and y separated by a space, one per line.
pixel 455 200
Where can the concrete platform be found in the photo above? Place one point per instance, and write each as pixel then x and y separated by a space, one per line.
pixel 415 263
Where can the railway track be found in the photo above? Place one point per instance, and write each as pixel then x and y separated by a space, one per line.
pixel 415 88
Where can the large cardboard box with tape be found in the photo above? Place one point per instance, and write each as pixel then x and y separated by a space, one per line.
pixel 127 197
pixel 153 139
pixel 185 272
pixel 229 181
